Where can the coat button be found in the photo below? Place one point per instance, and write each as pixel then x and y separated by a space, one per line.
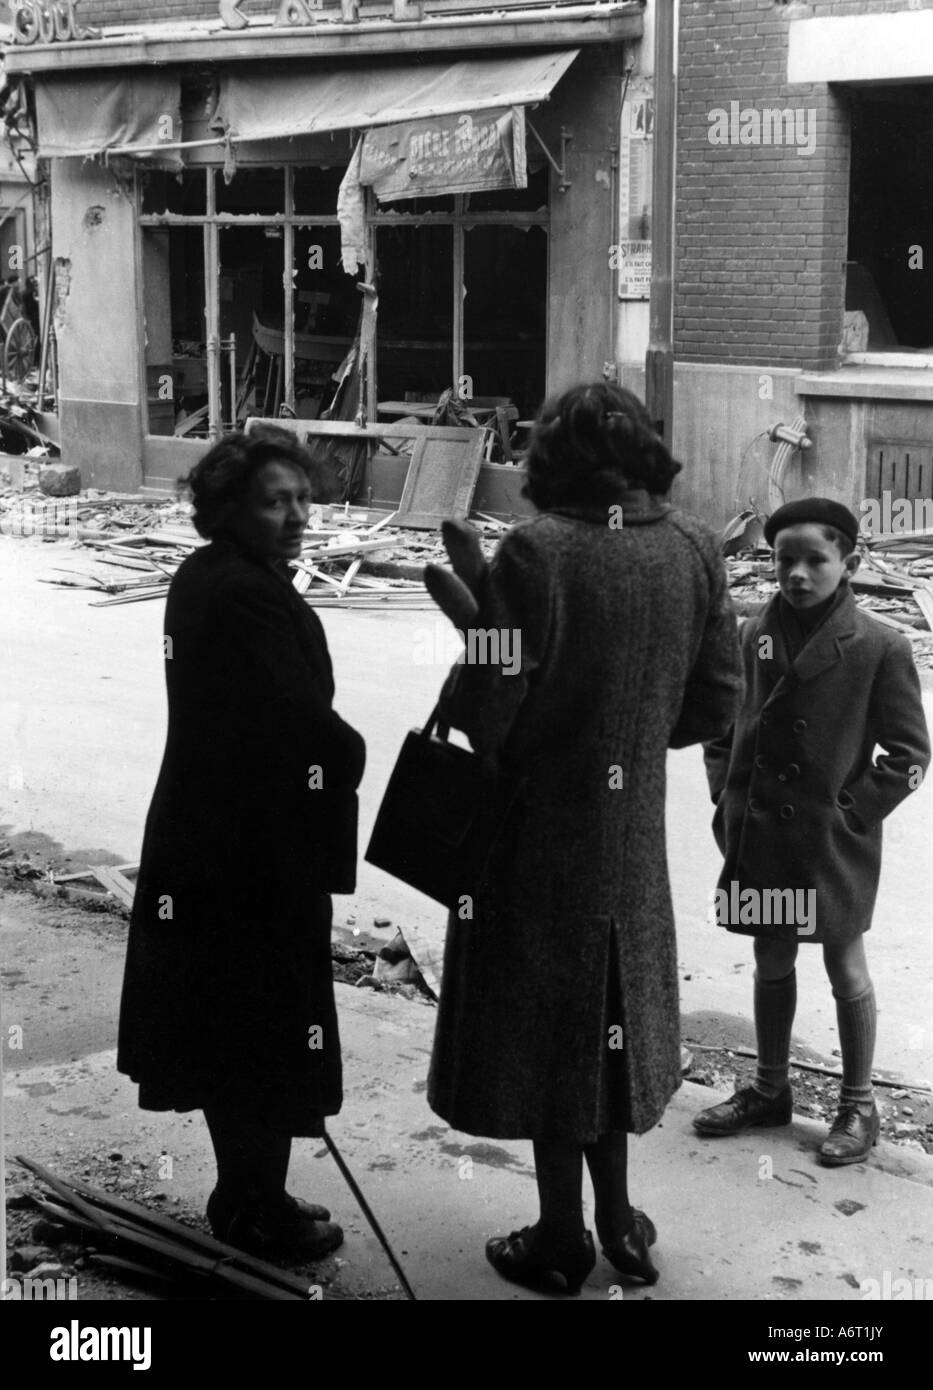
pixel 799 726
pixel 760 762
pixel 787 813
pixel 754 804
pixel 782 776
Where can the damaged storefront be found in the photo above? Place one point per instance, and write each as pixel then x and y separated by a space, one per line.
pixel 268 223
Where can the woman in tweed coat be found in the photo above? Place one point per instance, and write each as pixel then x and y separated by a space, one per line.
pixel 558 1019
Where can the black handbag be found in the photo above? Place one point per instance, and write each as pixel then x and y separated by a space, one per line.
pixel 440 814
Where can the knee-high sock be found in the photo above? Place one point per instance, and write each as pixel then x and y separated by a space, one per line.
pixel 857 1026
pixel 775 1005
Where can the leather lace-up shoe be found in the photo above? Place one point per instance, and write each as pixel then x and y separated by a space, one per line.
pixel 743 1110
pixel 853 1134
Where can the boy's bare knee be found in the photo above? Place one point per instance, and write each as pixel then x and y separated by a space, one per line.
pixel 847 967
pixel 774 959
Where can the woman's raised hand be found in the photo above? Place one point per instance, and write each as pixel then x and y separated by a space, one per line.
pixel 458 594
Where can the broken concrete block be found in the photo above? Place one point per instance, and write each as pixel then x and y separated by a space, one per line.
pixel 50 1270
pixel 26 1257
pixel 18 1197
pixel 59 480
pixel 14 465
pixel 46 1232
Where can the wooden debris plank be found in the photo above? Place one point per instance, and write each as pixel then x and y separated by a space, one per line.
pixel 115 883
pixel 341 552
pixel 350 575
pixel 888 621
pixel 137 597
pixel 92 873
pixel 105 557
pixel 887 538
pixel 923 597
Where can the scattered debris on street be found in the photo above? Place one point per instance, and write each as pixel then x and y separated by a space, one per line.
pixel 128 547
pixel 894 583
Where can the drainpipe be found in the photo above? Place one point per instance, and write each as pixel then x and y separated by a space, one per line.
pixel 659 361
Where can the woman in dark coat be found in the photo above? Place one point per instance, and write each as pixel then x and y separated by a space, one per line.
pixel 558 1017
pixel 228 1000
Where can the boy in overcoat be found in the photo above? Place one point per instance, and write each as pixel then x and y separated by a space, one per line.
pixel 800 795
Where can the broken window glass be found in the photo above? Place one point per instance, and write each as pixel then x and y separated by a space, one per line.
pixel 414 278
pixel 534 198
pixel 173 309
pixel 184 194
pixel 326 315
pixel 315 190
pixel 505 314
pixel 252 192
pixel 251 298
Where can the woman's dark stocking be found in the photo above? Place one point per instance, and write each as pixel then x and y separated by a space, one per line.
pixel 559 1171
pixel 607 1161
pixel 252 1160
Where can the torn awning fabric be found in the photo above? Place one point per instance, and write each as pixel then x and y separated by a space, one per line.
pixel 103 114
pixel 269 105
pixel 435 128
pixel 458 153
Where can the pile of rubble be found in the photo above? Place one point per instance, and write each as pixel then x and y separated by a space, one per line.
pixel 128 547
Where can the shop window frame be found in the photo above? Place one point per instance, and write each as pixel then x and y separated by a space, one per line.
pixel 462 218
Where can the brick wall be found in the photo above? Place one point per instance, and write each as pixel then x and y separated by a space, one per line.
pixel 761 230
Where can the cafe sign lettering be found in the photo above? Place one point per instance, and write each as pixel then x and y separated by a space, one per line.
pixel 301 13
pixel 459 153
pixel 48 21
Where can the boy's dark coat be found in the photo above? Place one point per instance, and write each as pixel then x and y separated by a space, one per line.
pixel 628 647
pixel 799 801
pixel 228 961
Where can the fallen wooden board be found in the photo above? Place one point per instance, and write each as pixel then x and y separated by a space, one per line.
pixel 441 478
pixel 115 883
pixel 909 632
pixel 923 597
pixel 317 553
pixel 888 538
pixel 92 873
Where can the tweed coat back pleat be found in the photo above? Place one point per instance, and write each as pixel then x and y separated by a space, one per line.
pixel 628 647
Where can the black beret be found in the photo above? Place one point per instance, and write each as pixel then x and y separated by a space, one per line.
pixel 818 511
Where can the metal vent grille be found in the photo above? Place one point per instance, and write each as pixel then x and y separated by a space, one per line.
pixel 901 468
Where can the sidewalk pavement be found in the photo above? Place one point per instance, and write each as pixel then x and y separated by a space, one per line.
pixel 754 1217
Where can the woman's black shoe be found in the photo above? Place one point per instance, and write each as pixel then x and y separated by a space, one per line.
pixel 630 1254
pixel 519 1258
pixel 288 1226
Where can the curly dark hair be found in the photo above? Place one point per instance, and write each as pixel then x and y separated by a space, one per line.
pixel 221 480
pixel 591 443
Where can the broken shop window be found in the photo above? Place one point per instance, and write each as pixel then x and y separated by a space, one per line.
pixel 248 311
pixel 162 192
pixel 173 310
pixel 415 327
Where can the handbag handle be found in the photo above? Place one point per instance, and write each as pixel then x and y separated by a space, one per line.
pixel 443 730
